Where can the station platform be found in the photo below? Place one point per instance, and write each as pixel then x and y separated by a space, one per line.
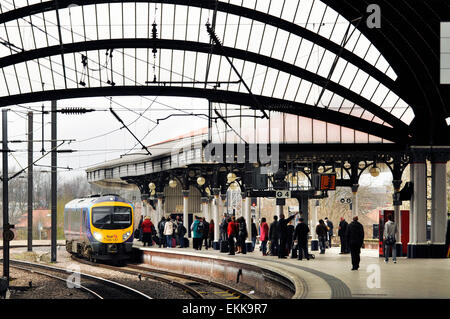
pixel 329 275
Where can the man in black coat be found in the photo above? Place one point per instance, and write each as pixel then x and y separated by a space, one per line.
pixel 273 236
pixel 283 234
pixel 342 235
pixel 330 226
pixel 301 236
pixel 355 236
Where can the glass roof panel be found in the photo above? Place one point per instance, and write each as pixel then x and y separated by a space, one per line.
pixel 134 66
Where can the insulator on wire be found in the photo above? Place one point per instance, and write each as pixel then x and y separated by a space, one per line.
pixel 154 31
pixel 74 110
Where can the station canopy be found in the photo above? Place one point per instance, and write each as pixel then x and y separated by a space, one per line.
pixel 314 66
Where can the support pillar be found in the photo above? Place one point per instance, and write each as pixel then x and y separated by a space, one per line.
pixel 30 182
pixel 215 208
pixel 438 208
pixel 53 183
pixel 315 241
pixel 248 221
pixel 159 207
pixel 355 200
pixel 186 210
pixel 280 202
pixel 397 216
pixel 417 246
pixel 205 202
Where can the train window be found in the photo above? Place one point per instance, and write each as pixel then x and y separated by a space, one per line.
pixel 111 217
pixel 122 215
pixel 101 216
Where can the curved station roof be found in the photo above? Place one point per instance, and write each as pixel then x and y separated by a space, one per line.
pixel 318 68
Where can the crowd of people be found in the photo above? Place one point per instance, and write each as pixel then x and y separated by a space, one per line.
pixel 170 232
pixel 281 238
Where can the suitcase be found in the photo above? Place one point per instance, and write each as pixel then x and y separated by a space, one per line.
pixel 186 242
pixel 174 243
pixel 224 248
pixel 294 252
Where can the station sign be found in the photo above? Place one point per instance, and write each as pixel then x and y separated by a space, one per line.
pixel 283 194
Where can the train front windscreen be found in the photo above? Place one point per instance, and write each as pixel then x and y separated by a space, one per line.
pixel 111 217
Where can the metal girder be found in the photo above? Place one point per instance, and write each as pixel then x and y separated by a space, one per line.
pixel 206 48
pixel 227 8
pixel 271 104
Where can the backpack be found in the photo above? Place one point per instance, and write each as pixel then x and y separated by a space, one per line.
pixel 200 227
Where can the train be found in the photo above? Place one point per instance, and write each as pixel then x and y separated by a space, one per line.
pixel 99 227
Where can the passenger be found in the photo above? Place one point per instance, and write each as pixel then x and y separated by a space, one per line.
pixel 389 239
pixel 175 230
pixel 342 235
pixel 224 228
pixel 197 233
pixel 205 232
pixel 264 235
pixel 301 236
pixel 138 233
pixel 321 231
pixel 147 231
pixel 232 232
pixel 168 232
pixel 273 236
pixel 161 225
pixel 242 235
pixel 181 231
pixel 355 236
pixel 211 233
pixel 330 230
pixel 283 234
pixel 254 234
pixel 290 237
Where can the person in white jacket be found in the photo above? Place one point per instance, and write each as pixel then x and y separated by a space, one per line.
pixel 389 239
pixel 168 232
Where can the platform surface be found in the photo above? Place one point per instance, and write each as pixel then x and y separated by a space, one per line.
pixel 329 275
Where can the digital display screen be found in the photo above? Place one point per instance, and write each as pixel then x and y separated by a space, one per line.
pixel 327 182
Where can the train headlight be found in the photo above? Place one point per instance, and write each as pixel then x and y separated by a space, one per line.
pixel 98 236
pixel 126 235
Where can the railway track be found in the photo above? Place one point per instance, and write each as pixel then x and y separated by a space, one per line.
pixel 98 287
pixel 198 288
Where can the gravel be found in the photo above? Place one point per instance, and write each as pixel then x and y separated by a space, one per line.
pixel 44 287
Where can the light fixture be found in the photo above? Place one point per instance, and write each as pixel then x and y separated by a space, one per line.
pixel 172 183
pixel 201 181
pixel 152 186
pixel 374 171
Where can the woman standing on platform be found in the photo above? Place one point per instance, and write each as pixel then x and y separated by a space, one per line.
pixel 211 233
pixel 197 234
pixel 232 231
pixel 147 231
pixel 264 235
pixel 242 235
